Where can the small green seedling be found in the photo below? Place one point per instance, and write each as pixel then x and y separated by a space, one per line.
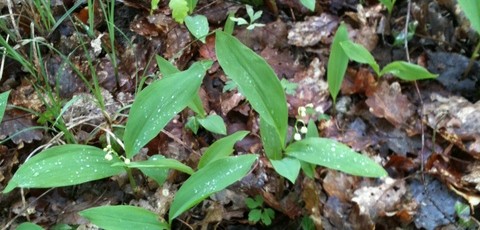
pixel 258 212
pixel 253 17
pixel 389 4
pixel 289 87
pixel 343 50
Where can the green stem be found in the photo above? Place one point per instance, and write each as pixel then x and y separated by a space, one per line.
pixel 131 179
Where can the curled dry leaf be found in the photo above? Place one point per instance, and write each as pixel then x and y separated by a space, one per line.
pixel 388 102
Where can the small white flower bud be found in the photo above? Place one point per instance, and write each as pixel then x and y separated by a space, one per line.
pixel 127 161
pixel 309 105
pixel 302 111
pixel 108 157
pixel 297 136
pixel 303 129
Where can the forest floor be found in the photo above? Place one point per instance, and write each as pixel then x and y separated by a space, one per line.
pixel 424 133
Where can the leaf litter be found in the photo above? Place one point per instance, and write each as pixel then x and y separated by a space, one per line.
pixel 379 117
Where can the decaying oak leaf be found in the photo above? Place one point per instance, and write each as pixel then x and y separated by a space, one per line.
pixel 388 102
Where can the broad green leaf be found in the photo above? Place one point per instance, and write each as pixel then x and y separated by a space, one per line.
pixel 221 148
pixel 310 4
pixel 167 69
pixel 210 179
pixel 407 71
pixel 29 226
pixel 62 166
pixel 158 103
pixel 312 131
pixel 334 155
pixel 3 103
pixel 159 175
pixel 123 217
pixel 472 11
pixel 271 143
pixel 179 10
pixel 256 80
pixel 287 167
pixel 359 54
pixel 214 124
pixel 157 163
pixel 198 26
pixel 337 62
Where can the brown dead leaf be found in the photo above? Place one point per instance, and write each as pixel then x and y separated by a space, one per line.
pixel 388 102
pixel 376 201
pixel 15 124
pixel 339 185
pixel 359 81
pixel 282 62
pixel 313 30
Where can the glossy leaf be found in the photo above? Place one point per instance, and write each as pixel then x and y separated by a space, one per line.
pixel 159 175
pixel 472 12
pixel 271 144
pixel 210 179
pixel 287 167
pixel 198 26
pixel 221 148
pixel 359 54
pixel 407 71
pixel 158 163
pixel 214 124
pixel 309 4
pixel 256 80
pixel 167 69
pixel 123 217
pixel 312 131
pixel 62 166
pixel 337 62
pixel 334 155
pixel 158 103
pixel 192 124
pixel 3 103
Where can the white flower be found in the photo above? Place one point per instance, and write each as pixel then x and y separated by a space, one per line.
pixel 309 105
pixel 303 129
pixel 302 111
pixel 108 157
pixel 127 161
pixel 297 136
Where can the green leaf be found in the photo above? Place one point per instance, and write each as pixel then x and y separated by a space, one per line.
pixel 62 166
pixel 334 155
pixel 154 5
pixel 359 54
pixel 254 203
pixel 289 87
pixel 312 130
pixel 198 26
pixel 267 216
pixel 179 10
pixel 229 86
pixel 192 124
pixel 254 215
pixel 229 24
pixel 159 175
pixel 191 5
pixel 167 69
pixel 287 167
pixel 158 163
pixel 3 103
pixel 214 124
pixel 337 62
pixel 271 143
pixel 210 179
pixel 407 71
pixel 256 80
pixel 123 217
pixel 472 12
pixel 29 226
pixel 309 4
pixel 158 103
pixel 221 148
